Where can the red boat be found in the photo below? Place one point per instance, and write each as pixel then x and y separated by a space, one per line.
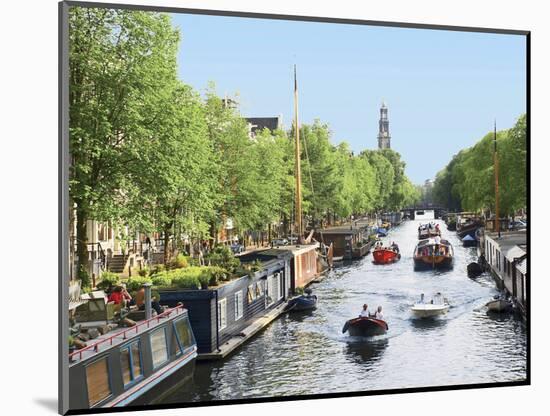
pixel 385 255
pixel 365 327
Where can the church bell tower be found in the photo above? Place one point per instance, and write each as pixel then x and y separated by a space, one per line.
pixel 384 138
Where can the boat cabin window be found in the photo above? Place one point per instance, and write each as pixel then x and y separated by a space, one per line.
pixel 159 347
pixel 222 314
pixel 97 380
pixel 183 336
pixel 270 292
pixel 130 362
pixel 259 289
pixel 251 293
pixel 279 277
pixel 238 305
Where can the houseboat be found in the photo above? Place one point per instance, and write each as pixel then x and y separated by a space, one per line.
pixel 349 243
pixel 506 257
pixel 133 365
pixel 306 262
pixel 467 223
pixel 225 316
pixel 433 253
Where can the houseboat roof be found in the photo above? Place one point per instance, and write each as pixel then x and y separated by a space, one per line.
pixel 343 230
pixel 296 249
pixel 121 335
pixel 265 256
pixel 508 239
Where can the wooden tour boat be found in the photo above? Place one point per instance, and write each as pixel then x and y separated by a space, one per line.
pixel 433 253
pixel 428 231
pixel 365 327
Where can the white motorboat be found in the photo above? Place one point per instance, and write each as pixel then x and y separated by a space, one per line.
pixel 436 307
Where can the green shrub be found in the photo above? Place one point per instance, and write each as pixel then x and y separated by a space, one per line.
pixel 144 272
pixel 134 283
pixel 108 280
pixel 186 282
pixel 179 262
pixel 223 256
pixel 162 279
pixel 159 268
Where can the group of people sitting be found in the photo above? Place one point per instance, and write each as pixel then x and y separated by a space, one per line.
pixel 365 313
pixel 119 296
pixel 379 246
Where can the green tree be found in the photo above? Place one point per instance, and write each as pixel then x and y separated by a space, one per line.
pixel 119 62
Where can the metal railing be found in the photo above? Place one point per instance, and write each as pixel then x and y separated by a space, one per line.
pixel 95 346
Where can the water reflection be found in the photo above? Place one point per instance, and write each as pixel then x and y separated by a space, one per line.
pixel 366 350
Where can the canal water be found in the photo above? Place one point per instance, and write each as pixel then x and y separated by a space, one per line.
pixel 308 354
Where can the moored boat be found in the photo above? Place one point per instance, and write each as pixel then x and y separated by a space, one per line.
pixel 133 365
pixel 436 307
pixel 385 255
pixel 433 253
pixel 302 303
pixel 499 304
pixel 469 241
pixel 365 327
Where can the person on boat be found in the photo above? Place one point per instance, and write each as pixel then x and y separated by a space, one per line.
pixel 120 295
pixel 421 298
pixel 378 314
pixel 395 247
pixel 140 302
pixel 365 311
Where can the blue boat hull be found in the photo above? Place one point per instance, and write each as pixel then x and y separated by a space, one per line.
pixel 302 303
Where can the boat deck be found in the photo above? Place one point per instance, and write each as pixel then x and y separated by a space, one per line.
pixel 119 335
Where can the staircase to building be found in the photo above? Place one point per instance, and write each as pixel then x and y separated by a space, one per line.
pixel 117 263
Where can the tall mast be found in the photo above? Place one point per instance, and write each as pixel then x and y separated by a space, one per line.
pixel 297 168
pixel 497 215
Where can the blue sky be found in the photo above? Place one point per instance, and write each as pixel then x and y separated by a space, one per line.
pixel 443 89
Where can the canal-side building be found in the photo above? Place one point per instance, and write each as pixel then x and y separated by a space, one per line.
pixel 225 316
pixel 507 258
pixel 257 124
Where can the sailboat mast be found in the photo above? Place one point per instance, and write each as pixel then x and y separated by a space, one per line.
pixel 497 214
pixel 297 169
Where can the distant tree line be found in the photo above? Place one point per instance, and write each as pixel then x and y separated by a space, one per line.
pixel 148 152
pixel 467 183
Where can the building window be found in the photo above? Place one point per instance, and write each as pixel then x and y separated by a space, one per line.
pixel 97 379
pixel 130 362
pixel 222 314
pixel 183 336
pixel 159 347
pixel 238 305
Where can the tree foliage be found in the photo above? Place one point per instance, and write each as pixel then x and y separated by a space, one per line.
pixel 468 183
